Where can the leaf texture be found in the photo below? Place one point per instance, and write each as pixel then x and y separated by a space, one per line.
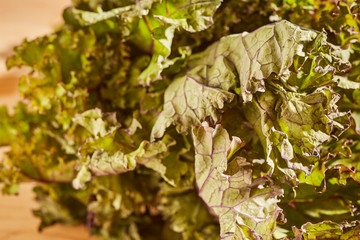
pixel 246 208
pixel 245 61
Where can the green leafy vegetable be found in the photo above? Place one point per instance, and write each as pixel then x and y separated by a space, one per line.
pixel 246 208
pixel 129 106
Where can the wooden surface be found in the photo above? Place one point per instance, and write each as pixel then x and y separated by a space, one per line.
pixel 18 223
pixel 30 19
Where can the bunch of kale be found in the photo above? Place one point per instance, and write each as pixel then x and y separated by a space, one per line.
pixel 166 119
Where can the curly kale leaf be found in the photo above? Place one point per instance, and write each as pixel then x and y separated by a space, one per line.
pixel 245 207
pixel 244 63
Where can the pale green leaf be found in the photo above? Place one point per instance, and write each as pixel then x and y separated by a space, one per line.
pixel 92 120
pixel 100 162
pixel 246 207
pixel 330 230
pixel 244 60
pixel 292 126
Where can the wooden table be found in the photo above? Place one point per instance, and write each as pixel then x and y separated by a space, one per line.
pixel 30 19
pixel 18 223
